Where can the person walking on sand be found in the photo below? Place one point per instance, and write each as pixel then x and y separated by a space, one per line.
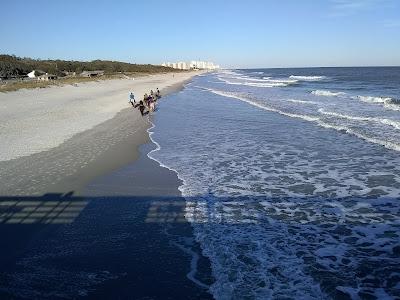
pixel 141 107
pixel 145 98
pixel 152 104
pixel 158 94
pixel 132 100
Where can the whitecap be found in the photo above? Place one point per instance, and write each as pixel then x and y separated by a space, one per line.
pixel 301 101
pixel 388 103
pixel 385 121
pixel 255 84
pixel 327 93
pixel 307 78
pixel 388 144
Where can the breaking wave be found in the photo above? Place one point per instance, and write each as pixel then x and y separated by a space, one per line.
pixel 318 120
pixel 266 84
pixel 301 101
pixel 307 78
pixel 388 103
pixel 393 123
pixel 327 93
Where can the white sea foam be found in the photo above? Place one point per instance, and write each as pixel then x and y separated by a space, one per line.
pixel 255 84
pixel 260 105
pixel 343 128
pixel 308 78
pixel 283 80
pixel 301 101
pixel 263 235
pixel 388 103
pixel 267 84
pixel 371 99
pixel 392 123
pixel 345 116
pixel 268 79
pixel 194 255
pixel 327 93
pixel 246 78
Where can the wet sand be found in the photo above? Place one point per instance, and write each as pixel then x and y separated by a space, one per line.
pixel 88 220
pixel 70 166
pixel 129 241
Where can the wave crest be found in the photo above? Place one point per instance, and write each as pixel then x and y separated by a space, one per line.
pixel 307 78
pixel 389 103
pixel 312 118
pixel 392 123
pixel 327 93
pixel 264 83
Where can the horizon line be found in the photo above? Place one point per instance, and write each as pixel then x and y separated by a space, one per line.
pixel 317 67
pixel 238 68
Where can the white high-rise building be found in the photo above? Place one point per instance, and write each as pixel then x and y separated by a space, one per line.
pixel 193 64
pixel 184 66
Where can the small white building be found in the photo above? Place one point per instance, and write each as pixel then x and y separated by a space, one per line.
pixel 47 77
pixel 32 74
pixel 35 73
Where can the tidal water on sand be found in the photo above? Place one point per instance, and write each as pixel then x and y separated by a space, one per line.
pixel 292 179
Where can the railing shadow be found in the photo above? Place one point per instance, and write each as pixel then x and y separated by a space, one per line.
pixel 331 222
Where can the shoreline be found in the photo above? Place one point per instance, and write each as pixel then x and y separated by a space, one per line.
pixel 34 121
pixel 171 258
pixel 104 242
pixel 103 148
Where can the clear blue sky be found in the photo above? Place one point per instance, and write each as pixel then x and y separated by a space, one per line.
pixel 248 33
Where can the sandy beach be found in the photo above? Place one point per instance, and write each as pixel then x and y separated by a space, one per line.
pixel 76 192
pixel 57 139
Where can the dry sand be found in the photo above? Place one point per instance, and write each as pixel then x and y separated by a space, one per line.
pixel 36 120
pixel 115 240
pixel 58 139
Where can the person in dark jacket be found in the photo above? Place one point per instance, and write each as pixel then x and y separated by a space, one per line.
pixel 141 107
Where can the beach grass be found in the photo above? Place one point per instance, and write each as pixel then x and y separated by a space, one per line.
pixel 10 86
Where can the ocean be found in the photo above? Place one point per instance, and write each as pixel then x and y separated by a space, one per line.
pixel 291 179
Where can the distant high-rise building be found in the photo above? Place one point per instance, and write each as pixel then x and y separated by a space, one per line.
pixel 184 66
pixel 193 64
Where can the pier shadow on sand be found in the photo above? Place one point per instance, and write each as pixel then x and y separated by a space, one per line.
pixel 127 247
pixel 66 247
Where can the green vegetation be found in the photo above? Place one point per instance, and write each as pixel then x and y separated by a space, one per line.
pixel 14 85
pixel 16 67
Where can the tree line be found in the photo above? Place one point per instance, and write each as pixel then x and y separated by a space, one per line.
pixel 12 66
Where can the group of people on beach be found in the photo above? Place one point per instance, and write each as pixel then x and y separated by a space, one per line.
pixel 149 101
